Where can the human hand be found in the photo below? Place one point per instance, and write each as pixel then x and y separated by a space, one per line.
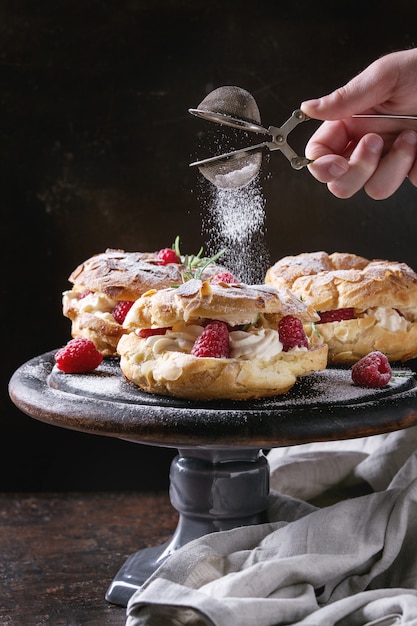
pixel 374 154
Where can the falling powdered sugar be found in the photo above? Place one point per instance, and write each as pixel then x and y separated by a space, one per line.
pixel 235 222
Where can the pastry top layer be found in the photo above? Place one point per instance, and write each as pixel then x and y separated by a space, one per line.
pixel 196 299
pixel 340 280
pixel 127 275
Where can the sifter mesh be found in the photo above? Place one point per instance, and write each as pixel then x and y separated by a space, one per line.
pixel 237 171
pixel 233 101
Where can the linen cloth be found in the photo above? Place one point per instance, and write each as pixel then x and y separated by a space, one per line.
pixel 349 563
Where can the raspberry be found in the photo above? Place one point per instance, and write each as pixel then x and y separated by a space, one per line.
pixel 166 256
pixel 291 333
pixel 336 315
pixel 84 294
pixel 121 310
pixel 373 370
pixel 78 356
pixel 224 277
pixel 150 332
pixel 213 341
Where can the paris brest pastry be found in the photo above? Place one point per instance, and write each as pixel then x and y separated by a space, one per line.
pixel 364 305
pixel 107 284
pixel 158 352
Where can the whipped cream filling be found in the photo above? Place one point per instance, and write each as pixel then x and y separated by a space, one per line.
pixel 172 350
pixel 175 341
pixel 258 343
pixel 388 318
pixel 95 303
pixel 262 343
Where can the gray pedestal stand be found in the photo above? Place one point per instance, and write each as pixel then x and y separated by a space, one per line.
pixel 212 491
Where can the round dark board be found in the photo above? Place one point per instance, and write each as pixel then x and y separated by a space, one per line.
pixel 321 407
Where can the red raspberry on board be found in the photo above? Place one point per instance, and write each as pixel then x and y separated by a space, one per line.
pixel 167 255
pixel 336 315
pixel 372 370
pixel 224 277
pixel 291 333
pixel 213 342
pixel 78 356
pixel 150 332
pixel 121 310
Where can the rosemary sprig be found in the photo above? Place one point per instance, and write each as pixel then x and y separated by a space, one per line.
pixel 195 263
pixel 314 329
pixel 403 374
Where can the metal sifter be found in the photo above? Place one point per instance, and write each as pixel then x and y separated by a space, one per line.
pixel 237 108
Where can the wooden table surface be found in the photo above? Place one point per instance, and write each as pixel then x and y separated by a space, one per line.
pixel 60 551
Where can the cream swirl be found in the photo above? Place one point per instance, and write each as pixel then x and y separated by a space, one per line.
pixel 262 344
pixel 175 341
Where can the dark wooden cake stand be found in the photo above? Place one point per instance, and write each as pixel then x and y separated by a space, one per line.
pixel 220 478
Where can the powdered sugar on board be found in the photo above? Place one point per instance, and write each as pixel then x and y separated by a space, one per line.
pixel 37 369
pixel 334 386
pixel 105 382
pixel 326 388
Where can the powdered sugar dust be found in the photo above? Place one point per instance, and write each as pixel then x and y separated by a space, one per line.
pixel 235 221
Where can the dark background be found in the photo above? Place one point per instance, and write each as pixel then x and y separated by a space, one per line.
pixel 95 142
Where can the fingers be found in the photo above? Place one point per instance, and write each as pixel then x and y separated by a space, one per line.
pixel 394 167
pixel 329 138
pixel 380 177
pixel 328 168
pixel 362 164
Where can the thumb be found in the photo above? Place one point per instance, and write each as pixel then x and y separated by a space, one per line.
pixel 331 107
pixel 372 87
pixel 339 104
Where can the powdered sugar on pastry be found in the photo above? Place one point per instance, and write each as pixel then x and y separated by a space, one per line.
pixel 113 279
pixel 256 365
pixel 379 296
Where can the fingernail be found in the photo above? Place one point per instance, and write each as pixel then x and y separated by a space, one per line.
pixel 336 169
pixel 312 104
pixel 410 137
pixel 374 143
